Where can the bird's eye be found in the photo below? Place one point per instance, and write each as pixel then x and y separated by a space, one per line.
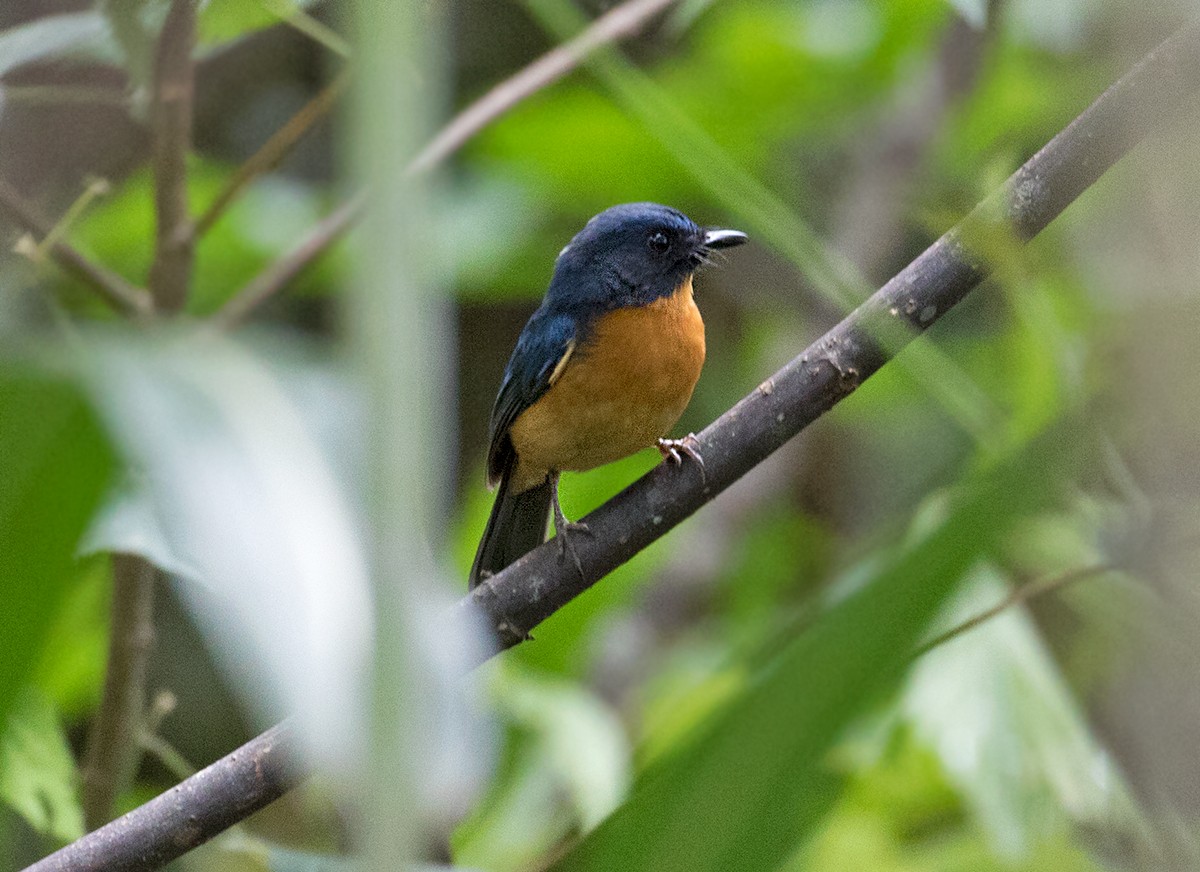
pixel 658 242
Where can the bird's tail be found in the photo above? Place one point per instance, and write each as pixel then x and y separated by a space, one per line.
pixel 516 526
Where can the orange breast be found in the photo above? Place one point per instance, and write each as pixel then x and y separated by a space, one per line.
pixel 618 393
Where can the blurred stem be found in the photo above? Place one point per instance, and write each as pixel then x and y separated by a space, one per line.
pixel 113 743
pixel 114 746
pixel 274 150
pixel 401 331
pixel 109 286
pixel 174 88
pixel 1016 597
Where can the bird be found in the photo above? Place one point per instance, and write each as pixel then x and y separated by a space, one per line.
pixel 603 369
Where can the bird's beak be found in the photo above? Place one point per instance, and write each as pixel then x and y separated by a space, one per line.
pixel 723 238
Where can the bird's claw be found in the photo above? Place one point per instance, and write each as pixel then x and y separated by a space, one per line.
pixel 673 450
pixel 561 528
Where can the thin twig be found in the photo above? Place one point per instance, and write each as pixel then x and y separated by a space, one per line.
pixel 174 89
pixel 112 288
pixel 113 742
pixel 1016 597
pixel 512 602
pixel 619 23
pixel 274 150
pixel 284 270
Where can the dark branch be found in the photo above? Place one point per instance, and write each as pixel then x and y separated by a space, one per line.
pixel 1156 91
pixel 189 814
pixel 113 289
pixel 112 752
pixel 174 86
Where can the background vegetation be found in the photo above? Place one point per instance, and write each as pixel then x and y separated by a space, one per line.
pixel 776 668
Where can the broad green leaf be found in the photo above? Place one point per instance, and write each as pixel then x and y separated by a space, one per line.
pixel 993 706
pixel 223 21
pixel 748 790
pixel 37 772
pixel 234 487
pixel 50 37
pixel 54 466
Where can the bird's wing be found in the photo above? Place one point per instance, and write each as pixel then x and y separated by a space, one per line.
pixel 542 351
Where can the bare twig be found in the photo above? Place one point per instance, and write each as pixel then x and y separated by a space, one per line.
pixel 113 743
pixel 283 271
pixel 114 290
pixel 616 24
pixel 1155 92
pixel 1016 597
pixel 274 150
pixel 621 22
pixel 174 86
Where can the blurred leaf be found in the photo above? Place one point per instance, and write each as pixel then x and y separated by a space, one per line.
pixel 747 790
pixel 570 743
pixel 993 706
pixel 242 492
pixel 71 671
pixel 974 12
pixel 223 21
pixel 135 26
pixel 56 464
pixel 37 772
pixel 49 37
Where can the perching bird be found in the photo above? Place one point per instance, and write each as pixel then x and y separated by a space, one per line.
pixel 603 369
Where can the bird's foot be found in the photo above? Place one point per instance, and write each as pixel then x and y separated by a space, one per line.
pixel 563 527
pixel 673 450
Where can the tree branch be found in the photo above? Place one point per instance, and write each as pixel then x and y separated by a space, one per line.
pixel 112 288
pixel 174 86
pixel 621 22
pixel 1156 91
pixel 190 813
pixel 113 744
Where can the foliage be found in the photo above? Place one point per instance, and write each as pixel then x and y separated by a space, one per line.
pixel 743 694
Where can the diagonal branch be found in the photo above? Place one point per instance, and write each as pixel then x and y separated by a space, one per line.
pixel 1159 89
pixel 112 288
pixel 618 23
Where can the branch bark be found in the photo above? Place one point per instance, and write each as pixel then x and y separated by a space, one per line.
pixel 174 86
pixel 1162 86
pixel 618 23
pixel 113 744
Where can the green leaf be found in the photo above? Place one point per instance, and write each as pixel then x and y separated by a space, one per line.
pixel 50 37
pixel 223 21
pixel 37 772
pixel 751 787
pixel 56 463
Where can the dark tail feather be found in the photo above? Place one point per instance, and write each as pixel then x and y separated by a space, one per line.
pixel 516 526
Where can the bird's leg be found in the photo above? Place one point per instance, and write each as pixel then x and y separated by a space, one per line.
pixel 562 526
pixel 674 449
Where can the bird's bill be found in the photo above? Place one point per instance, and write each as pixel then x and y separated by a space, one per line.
pixel 723 238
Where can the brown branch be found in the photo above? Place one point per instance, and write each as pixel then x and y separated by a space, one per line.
pixel 174 88
pixel 1159 89
pixel 112 288
pixel 274 150
pixel 1016 597
pixel 618 23
pixel 113 743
